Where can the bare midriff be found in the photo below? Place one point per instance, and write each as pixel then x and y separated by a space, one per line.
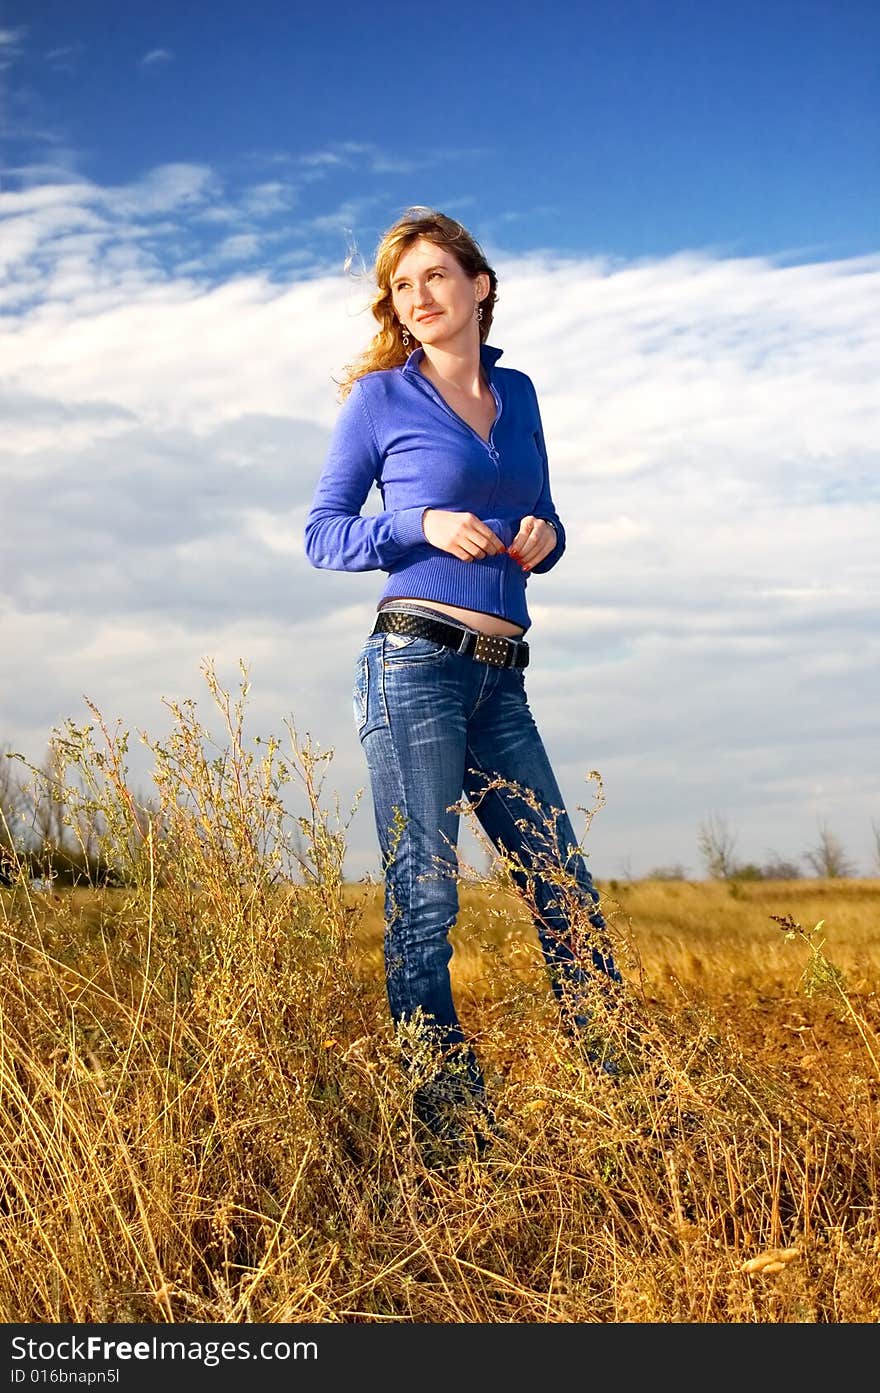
pixel 474 618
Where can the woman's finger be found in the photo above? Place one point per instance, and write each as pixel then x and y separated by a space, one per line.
pixel 535 540
pixel 486 541
pixel 486 538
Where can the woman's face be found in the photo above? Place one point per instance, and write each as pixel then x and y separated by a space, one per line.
pixel 435 298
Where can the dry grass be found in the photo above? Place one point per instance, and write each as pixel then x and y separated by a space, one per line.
pixel 202 1117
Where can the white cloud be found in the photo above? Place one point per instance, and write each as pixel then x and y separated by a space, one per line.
pixel 243 246
pixel 64 59
pixel 350 154
pixel 709 642
pixel 343 152
pixel 167 188
pixel 157 57
pixel 11 43
pixel 345 217
pixel 272 196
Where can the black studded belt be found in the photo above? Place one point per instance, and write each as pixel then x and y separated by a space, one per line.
pixel 494 649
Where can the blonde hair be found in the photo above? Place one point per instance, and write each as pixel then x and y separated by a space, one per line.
pixel 386 349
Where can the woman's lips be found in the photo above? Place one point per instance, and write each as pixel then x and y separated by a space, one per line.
pixel 423 319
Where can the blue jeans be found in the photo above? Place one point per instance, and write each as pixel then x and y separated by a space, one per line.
pixel 435 725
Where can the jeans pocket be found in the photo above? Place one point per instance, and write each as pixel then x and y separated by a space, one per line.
pixel 367 702
pixel 403 649
pixel 361 693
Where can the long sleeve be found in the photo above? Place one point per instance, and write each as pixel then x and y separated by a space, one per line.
pixel 337 538
pixel 545 507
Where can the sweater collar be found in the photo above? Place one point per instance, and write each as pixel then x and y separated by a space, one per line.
pixel 488 357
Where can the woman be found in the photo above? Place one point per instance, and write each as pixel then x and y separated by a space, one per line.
pixel 455 445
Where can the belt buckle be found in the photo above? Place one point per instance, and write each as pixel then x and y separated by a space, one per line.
pixel 494 649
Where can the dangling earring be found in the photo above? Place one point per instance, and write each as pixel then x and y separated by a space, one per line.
pixel 404 334
pixel 479 314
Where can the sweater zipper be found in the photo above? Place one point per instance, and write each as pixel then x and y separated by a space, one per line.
pixel 489 445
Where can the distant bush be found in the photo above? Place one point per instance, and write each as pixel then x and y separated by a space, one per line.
pixel 676 872
pixel 747 870
pixel 778 868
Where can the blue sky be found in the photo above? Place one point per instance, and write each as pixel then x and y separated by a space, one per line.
pixel 681 204
pixel 618 127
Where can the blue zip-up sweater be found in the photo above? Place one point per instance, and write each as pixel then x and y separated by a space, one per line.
pixel 395 430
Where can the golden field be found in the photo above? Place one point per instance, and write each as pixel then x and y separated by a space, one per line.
pixel 203 1117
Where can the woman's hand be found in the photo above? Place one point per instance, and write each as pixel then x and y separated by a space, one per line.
pixel 534 540
pixel 461 534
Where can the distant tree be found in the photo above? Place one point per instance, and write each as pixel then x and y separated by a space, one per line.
pixel 828 858
pixel 676 872
pixel 626 871
pixel 49 807
pixel 777 867
pixel 875 828
pixel 11 803
pixel 62 835
pixel 716 843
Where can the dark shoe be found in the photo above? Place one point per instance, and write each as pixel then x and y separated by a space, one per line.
pixel 617 1055
pixel 452 1123
pixel 450 1149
